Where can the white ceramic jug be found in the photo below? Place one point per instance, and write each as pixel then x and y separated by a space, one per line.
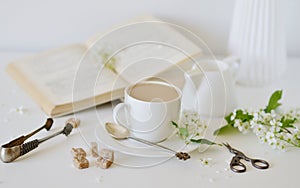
pixel 257 37
pixel 209 87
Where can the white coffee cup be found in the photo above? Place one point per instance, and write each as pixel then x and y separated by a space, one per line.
pixel 148 109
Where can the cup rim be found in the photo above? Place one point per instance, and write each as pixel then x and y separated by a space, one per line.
pixel 154 82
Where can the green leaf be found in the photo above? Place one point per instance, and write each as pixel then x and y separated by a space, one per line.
pixel 109 62
pixel 243 117
pixel 239 114
pixel 287 123
pixel 221 130
pixel 227 129
pixel 203 141
pixel 174 124
pixel 273 101
pixel 228 119
pixel 183 132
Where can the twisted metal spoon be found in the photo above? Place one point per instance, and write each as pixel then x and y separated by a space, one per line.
pixel 120 132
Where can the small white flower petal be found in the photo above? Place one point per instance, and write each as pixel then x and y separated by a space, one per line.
pixel 211 180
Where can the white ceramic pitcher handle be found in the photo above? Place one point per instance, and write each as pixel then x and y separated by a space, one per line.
pixel 233 63
pixel 116 110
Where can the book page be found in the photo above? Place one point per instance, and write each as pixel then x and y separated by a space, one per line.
pixel 143 48
pixel 93 79
pixel 67 74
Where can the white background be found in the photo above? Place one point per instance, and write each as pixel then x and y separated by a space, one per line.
pixel 35 25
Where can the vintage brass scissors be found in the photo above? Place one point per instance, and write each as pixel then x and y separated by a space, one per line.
pixel 237 166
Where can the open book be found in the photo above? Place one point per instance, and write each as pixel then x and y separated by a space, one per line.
pixel 79 76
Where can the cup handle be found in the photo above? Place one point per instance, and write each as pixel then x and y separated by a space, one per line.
pixel 116 111
pixel 234 63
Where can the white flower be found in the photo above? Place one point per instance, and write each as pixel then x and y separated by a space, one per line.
pixel 237 123
pixel 279 144
pixel 263 139
pixel 252 124
pixel 272 122
pixel 242 127
pixel 211 180
pixel 191 120
pixel 21 110
pixel 296 133
pixel 206 161
pixel 273 113
pixel 293 113
pixel 259 130
pixel 287 137
pixel 232 117
pixel 244 111
pixel 255 116
pixel 275 129
pixel 270 138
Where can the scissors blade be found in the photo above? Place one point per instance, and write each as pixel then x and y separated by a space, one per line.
pixel 228 147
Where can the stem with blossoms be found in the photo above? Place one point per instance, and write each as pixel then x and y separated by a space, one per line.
pixel 190 128
pixel 275 128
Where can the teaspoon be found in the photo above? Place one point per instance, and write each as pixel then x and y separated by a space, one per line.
pixel 120 132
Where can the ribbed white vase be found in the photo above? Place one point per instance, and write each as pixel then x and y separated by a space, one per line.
pixel 257 37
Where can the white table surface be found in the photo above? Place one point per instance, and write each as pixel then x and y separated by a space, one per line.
pixel 50 165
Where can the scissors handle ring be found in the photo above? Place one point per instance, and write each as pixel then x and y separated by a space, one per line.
pixel 237 166
pixel 259 163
